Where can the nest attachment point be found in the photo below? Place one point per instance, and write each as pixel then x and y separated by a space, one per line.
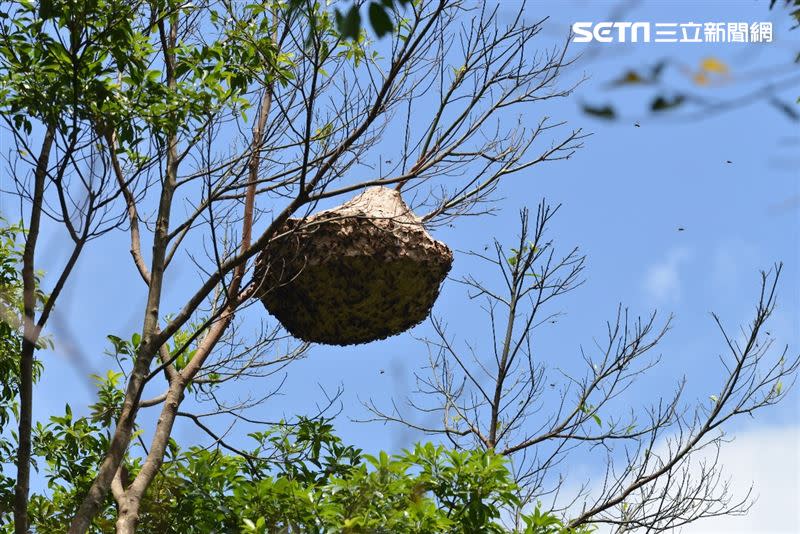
pixel 363 271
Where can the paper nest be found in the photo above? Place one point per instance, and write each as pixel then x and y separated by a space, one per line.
pixel 363 271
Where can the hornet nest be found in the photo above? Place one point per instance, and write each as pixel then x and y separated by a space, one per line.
pixel 362 271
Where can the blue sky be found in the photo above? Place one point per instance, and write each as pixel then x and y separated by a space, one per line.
pixel 623 198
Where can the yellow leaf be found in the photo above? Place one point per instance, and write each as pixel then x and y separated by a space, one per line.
pixel 700 78
pixel 711 64
pixel 632 77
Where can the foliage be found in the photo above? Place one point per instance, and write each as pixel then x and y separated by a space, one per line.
pixel 10 346
pixel 62 62
pixel 10 317
pixel 11 313
pixel 349 22
pixel 300 477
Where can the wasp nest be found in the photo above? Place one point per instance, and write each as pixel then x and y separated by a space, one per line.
pixel 362 271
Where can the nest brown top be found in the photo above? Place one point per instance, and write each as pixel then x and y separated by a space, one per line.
pixel 377 203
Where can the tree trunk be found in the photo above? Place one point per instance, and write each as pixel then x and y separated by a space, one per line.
pixel 31 334
pixel 128 516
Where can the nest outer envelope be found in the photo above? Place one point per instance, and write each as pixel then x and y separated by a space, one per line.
pixel 363 271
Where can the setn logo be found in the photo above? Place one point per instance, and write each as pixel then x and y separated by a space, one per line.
pixel 673 32
pixel 604 32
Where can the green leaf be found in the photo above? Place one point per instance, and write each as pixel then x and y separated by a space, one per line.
pixel 661 103
pixel 605 112
pixel 379 19
pixel 349 25
pixel 47 9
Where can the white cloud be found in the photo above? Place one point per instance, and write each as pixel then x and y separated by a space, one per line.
pixel 764 458
pixel 768 458
pixel 662 281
